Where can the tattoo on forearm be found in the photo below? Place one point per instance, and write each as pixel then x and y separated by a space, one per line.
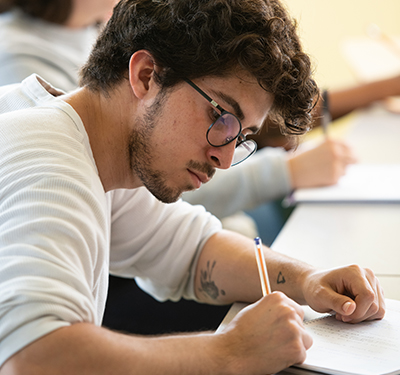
pixel 280 279
pixel 207 284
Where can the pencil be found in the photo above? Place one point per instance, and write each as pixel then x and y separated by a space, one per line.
pixel 262 267
pixel 326 114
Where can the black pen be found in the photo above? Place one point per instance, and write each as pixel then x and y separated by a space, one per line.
pixel 326 114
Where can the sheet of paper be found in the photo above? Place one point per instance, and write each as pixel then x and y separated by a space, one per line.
pixel 367 348
pixel 361 183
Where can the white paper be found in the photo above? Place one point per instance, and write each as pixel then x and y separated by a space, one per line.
pixel 367 348
pixel 361 183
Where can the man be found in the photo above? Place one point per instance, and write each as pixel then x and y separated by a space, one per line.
pixel 85 179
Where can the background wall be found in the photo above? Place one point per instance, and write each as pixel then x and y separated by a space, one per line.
pixel 324 24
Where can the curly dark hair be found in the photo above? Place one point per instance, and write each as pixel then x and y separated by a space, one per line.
pixel 197 38
pixel 55 11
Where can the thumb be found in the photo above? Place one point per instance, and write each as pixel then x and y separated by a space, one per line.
pixel 342 305
pixel 348 307
pixel 345 309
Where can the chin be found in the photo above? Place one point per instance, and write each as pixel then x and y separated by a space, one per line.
pixel 166 196
pixel 170 195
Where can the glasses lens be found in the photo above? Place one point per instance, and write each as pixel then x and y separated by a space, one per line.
pixel 243 151
pixel 224 130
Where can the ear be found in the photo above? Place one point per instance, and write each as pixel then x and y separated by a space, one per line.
pixel 141 72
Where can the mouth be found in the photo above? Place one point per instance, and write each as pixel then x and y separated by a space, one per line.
pixel 198 178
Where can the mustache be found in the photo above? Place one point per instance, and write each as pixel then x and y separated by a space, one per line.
pixel 202 167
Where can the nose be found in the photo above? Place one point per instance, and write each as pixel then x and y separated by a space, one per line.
pixel 221 157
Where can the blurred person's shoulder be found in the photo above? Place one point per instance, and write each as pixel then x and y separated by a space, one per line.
pixel 31 92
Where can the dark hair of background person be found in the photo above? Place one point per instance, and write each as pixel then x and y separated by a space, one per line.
pixel 55 11
pixel 192 39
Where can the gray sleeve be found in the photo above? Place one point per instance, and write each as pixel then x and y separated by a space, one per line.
pixel 15 69
pixel 261 178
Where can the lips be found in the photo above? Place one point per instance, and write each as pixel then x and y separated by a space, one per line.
pixel 198 178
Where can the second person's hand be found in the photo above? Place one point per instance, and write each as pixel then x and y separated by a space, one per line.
pixel 320 166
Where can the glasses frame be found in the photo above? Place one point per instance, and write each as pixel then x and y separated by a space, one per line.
pixel 240 137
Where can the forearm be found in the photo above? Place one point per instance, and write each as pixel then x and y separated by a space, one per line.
pixel 230 274
pixel 344 101
pixel 86 349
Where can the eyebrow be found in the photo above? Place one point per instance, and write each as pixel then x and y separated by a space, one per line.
pixel 237 109
pixel 232 102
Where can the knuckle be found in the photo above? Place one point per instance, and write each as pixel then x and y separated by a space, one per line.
pixel 370 296
pixel 374 308
pixel 369 272
pixel 381 313
pixel 356 269
pixel 288 312
pixel 278 297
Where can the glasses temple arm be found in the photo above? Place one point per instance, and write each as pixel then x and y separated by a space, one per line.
pixel 204 95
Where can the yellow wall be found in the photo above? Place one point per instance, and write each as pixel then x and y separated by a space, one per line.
pixel 324 24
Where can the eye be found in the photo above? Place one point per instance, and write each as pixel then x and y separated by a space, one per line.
pixel 214 115
pixel 250 131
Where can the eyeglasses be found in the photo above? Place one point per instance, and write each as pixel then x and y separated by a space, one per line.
pixel 226 129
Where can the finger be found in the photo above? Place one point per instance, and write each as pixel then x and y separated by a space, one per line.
pixel 347 289
pixel 338 171
pixel 306 343
pixel 348 156
pixel 297 308
pixel 376 308
pixel 307 340
pixel 369 300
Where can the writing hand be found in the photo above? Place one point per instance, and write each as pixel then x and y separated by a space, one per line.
pixel 266 336
pixel 320 166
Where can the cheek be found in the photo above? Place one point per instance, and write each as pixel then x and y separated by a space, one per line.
pixel 180 135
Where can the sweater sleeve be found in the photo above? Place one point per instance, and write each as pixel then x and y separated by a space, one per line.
pixel 261 178
pixel 158 243
pixel 52 224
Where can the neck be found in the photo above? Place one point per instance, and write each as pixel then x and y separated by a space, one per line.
pixel 108 122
